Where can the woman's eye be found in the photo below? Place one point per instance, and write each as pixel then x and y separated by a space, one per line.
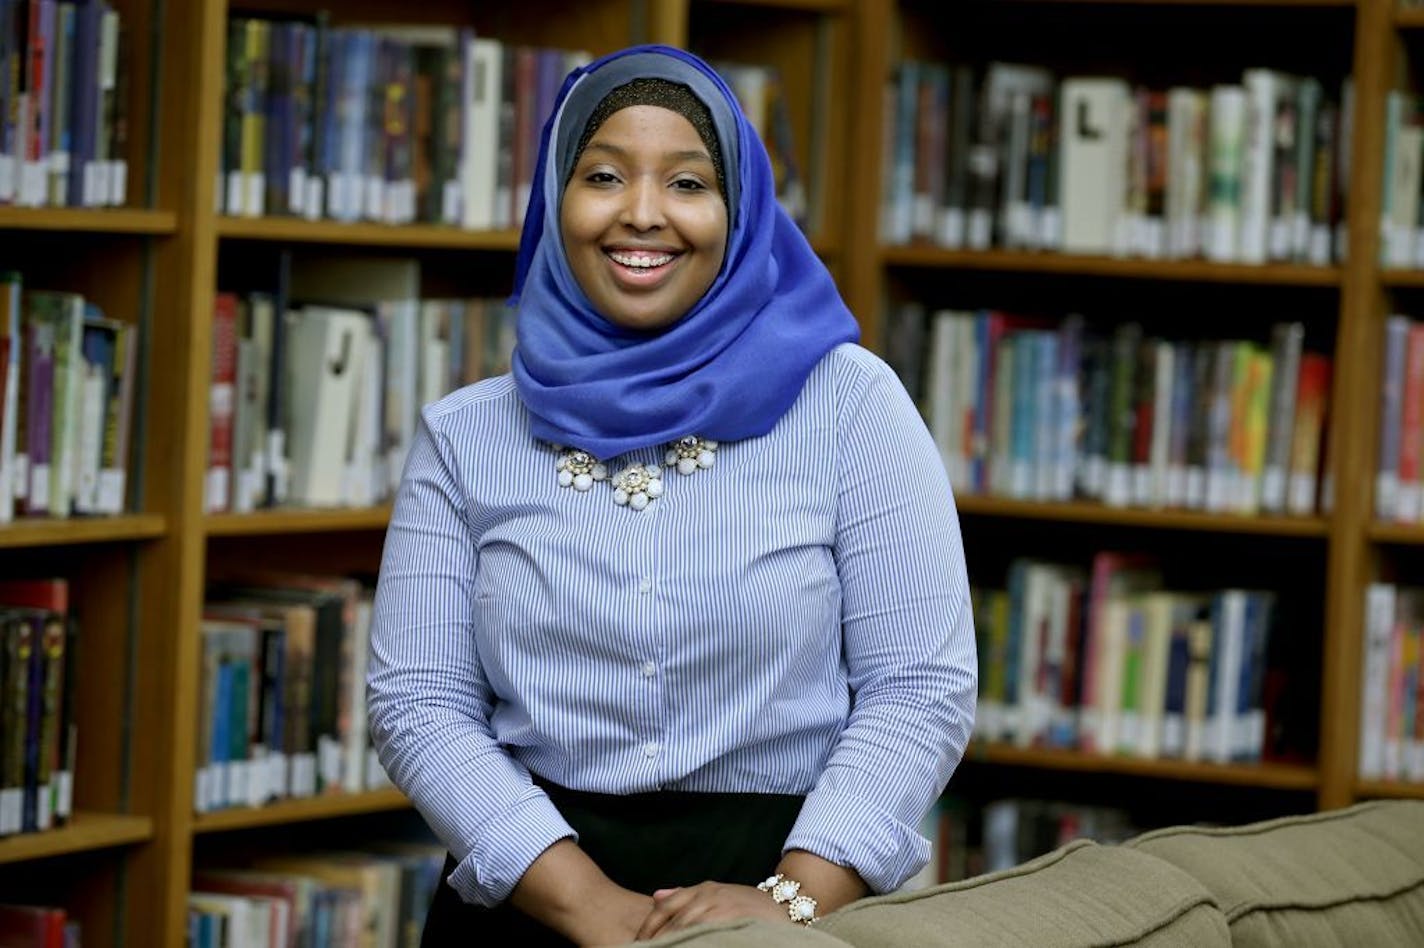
pixel 689 184
pixel 601 177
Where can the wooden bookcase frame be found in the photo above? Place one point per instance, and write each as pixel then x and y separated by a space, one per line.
pixel 142 836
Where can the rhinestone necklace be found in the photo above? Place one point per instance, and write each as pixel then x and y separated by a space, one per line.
pixel 637 485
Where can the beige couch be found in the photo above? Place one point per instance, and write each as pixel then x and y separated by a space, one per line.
pixel 1352 878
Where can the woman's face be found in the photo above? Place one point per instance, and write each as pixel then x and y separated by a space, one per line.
pixel 643 221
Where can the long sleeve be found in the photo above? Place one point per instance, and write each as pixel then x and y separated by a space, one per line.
pixel 429 700
pixel 908 639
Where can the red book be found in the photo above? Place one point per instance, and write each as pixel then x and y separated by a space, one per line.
pixel 30 926
pixel 1311 401
pixel 1412 426
pixel 222 402
pixel 48 594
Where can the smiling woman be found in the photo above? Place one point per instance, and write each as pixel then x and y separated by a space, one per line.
pixel 661 635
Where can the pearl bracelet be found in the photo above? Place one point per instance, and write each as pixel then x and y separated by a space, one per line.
pixel 800 908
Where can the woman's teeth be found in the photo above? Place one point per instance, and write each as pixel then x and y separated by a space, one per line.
pixel 642 261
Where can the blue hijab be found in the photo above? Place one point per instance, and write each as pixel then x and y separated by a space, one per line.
pixel 729 368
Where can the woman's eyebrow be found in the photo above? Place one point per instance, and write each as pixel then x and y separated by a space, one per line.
pixel 691 154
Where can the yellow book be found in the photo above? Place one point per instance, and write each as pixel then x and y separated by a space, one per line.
pixel 1258 412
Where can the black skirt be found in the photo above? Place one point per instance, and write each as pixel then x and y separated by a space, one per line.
pixel 643 842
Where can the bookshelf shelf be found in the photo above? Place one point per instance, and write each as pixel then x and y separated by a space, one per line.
pixel 85 832
pixel 410 236
pixel 1409 19
pixel 59 532
pixel 1181 271
pixel 1382 789
pixel 96 220
pixel 300 811
pixel 1402 279
pixel 981 506
pixel 277 522
pixel 1273 776
pixel 1401 534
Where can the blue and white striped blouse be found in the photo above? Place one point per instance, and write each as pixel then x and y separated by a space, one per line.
pixel 794 620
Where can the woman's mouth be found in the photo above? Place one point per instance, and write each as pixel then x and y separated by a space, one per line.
pixel 641 267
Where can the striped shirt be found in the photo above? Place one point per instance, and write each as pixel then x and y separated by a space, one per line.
pixel 794 619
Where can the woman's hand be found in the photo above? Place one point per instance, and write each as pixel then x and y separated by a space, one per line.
pixel 675 909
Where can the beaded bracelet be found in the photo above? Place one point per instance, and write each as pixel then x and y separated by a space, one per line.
pixel 800 908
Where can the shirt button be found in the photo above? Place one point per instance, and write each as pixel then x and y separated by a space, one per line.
pixel 649 669
pixel 651 749
pixel 645 585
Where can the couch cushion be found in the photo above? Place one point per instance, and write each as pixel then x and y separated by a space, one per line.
pixel 1079 896
pixel 1343 877
pixel 746 934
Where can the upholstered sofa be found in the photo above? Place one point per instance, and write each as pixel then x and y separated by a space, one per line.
pixel 1352 878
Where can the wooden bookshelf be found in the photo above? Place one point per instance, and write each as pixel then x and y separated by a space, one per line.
pixel 1351 307
pixel 1389 789
pixel 95 221
pixel 1409 18
pixel 281 521
pixel 84 833
pixel 153 566
pixel 1402 278
pixel 288 230
pixel 300 811
pixel 1181 271
pixel 1398 534
pixel 974 505
pixel 42 532
pixel 1271 775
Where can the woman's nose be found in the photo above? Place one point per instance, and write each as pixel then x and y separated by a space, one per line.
pixel 642 209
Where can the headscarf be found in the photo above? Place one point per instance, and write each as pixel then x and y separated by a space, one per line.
pixel 733 364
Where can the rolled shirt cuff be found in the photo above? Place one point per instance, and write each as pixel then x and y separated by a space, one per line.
pixel 852 832
pixel 507 846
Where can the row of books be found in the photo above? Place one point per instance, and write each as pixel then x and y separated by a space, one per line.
pixel 392 124
pixel 406 123
pixel 1041 409
pixel 63 92
pixel 1107 661
pixel 374 898
pixel 1392 687
pixel 317 406
pixel 37 926
pixel 67 381
pixel 1012 156
pixel 282 708
pixel 1399 473
pixel 968 839
pixel 38 683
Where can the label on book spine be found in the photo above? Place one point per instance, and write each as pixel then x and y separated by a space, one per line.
pixel 312 207
pixel 119 183
pixel 296 190
pixel 63 794
pixel 7 179
pixel 303 775
pixel 256 194
pixel 12 804
pixel 450 211
pixel 39 487
pixel 235 204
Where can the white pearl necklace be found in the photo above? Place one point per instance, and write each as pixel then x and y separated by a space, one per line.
pixel 637 485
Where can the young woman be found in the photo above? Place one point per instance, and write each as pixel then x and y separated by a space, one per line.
pixel 680 604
